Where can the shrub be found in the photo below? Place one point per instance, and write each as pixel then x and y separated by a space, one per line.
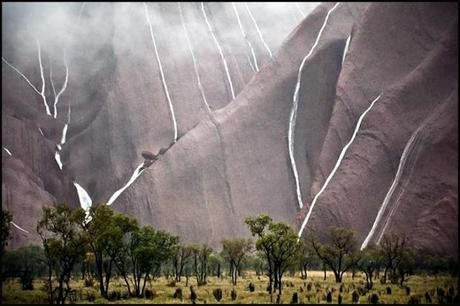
pixel 27 280
pixel 217 294
pixel 428 298
pixel 440 294
pixel 124 295
pixel 329 297
pixel 301 289
pixel 339 300
pixel 201 283
pixel 341 288
pixel 414 300
pixel 149 294
pixel 114 295
pixel 192 294
pixel 373 298
pixel 354 297
pixel 309 287
pixel 407 290
pixel 233 294
pixel 91 297
pixel 89 282
pixel 172 284
pixel 178 294
pixel 251 287
pixel 388 290
pixel 295 298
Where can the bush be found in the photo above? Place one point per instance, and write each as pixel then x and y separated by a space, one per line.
pixel 124 295
pixel 192 294
pixel 114 295
pixel 172 284
pixel 91 297
pixel 178 294
pixel 329 297
pixel 354 297
pixel 388 290
pixel 149 294
pixel 339 300
pixel 373 298
pixel 428 298
pixel 217 294
pixel 295 298
pixel 407 290
pixel 414 300
pixel 251 287
pixel 89 282
pixel 233 294
pixel 26 280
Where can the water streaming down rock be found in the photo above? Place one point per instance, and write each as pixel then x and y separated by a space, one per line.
pixel 57 157
pixel 293 114
pixel 195 66
pixel 64 86
pixel 345 50
pixel 7 151
pixel 117 193
pixel 253 54
pixel 337 164
pixel 19 228
pixel 258 30
pixel 41 132
pixel 163 80
pixel 42 75
pixel 85 199
pixel 220 50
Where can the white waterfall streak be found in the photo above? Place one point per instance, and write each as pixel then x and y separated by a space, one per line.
pixel 57 157
pixel 83 196
pixel 345 50
pixel 245 37
pixel 195 66
pixel 22 75
pixel 7 151
pixel 64 86
pixel 59 147
pixel 219 48
pixel 66 126
pixel 300 10
pixel 408 149
pixel 295 103
pixel 131 180
pixel 258 30
pixel 42 92
pixel 41 132
pixel 337 164
pixel 19 228
pixel 161 72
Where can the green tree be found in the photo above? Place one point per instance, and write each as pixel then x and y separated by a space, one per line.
pixel 234 250
pixel 404 265
pixel 201 259
pixel 182 254
pixel 280 245
pixel 99 231
pixel 369 262
pixel 64 244
pixel 215 264
pixel 392 247
pixel 339 254
pixel 7 217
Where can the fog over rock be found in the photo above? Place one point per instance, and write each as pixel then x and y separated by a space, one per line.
pixel 181 115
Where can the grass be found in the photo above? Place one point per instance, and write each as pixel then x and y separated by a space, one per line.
pixel 419 285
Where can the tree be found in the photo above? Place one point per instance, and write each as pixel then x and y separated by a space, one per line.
pixel 280 245
pixel 182 254
pixel 404 264
pixel 259 227
pixel 147 249
pixel 64 244
pixel 7 217
pixel 392 247
pixel 201 260
pixel 339 253
pixel 120 245
pixel 215 264
pixel 234 250
pixel 369 262
pixel 98 232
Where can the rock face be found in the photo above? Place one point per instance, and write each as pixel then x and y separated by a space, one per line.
pixel 214 83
